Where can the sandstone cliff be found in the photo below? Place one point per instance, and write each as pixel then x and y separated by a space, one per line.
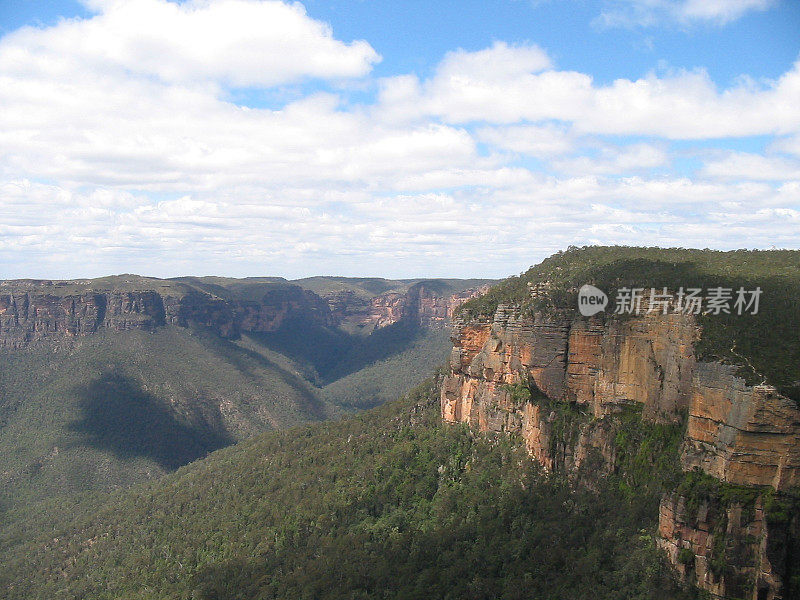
pixel 39 310
pixel 32 310
pixel 428 307
pixel 730 551
pixel 27 316
pixel 738 434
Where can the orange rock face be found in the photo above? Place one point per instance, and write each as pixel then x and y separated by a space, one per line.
pixel 736 433
pixel 740 434
pixel 425 306
pixel 647 360
pixel 428 307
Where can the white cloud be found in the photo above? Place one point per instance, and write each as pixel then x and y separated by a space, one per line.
pixel 233 42
pixel 648 13
pixel 746 166
pixel 491 230
pixel 616 160
pixel 500 62
pixel 722 11
pixel 540 141
pixel 789 145
pixel 516 89
pixel 680 105
pixel 150 167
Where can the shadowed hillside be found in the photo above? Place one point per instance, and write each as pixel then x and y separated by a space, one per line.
pixel 121 407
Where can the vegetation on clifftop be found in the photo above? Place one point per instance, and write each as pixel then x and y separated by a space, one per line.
pixel 765 345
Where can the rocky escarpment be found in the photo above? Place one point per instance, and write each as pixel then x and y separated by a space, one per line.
pixel 43 310
pixel 732 550
pixel 428 307
pixel 32 310
pixel 738 434
pixel 27 316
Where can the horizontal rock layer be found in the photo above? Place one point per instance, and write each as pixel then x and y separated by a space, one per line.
pixel 427 307
pixel 31 311
pixel 737 433
pixel 30 316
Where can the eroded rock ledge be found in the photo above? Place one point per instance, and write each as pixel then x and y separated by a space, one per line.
pixel 33 310
pixel 738 434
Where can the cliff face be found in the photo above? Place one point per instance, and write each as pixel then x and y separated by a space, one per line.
pixel 33 310
pixel 279 305
pixel 736 433
pixel 426 306
pixel 694 541
pixel 26 316
pixel 740 434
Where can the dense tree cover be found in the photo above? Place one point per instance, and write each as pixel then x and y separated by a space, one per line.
pixel 115 408
pixel 765 345
pixel 391 503
pixel 326 354
pixel 384 379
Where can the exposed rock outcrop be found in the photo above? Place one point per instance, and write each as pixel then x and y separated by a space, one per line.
pixel 729 551
pixel 426 306
pixel 32 310
pixel 737 433
pixel 387 309
pixel 741 434
pixel 347 306
pixel 29 316
pixel 45 312
pixel 280 305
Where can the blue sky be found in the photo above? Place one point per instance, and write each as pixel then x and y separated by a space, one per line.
pixel 243 137
pixel 415 34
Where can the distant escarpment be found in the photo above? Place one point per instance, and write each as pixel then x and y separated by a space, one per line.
pixel 27 315
pixel 57 310
pixel 568 385
pixel 429 306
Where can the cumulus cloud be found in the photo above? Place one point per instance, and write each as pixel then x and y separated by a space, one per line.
pixel 500 62
pixel 680 105
pixel 400 234
pixel 235 42
pixel 541 141
pixel 789 145
pixel 615 160
pixel 111 160
pixel 747 166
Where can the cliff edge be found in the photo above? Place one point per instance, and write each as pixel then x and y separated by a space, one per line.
pixel 561 381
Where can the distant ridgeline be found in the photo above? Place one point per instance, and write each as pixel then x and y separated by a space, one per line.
pixel 107 382
pixel 35 309
pixel 695 404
